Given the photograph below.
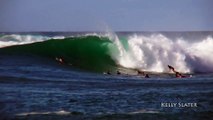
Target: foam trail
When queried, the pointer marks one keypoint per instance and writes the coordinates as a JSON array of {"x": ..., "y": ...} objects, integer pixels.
[{"x": 155, "y": 52}]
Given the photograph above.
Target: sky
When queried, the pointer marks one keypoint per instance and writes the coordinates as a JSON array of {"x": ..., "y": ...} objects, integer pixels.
[{"x": 102, "y": 15}]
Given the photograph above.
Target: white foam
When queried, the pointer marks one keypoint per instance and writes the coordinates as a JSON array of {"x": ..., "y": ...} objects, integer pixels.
[
  {"x": 146, "y": 52},
  {"x": 155, "y": 52},
  {"x": 14, "y": 39},
  {"x": 62, "y": 112}
]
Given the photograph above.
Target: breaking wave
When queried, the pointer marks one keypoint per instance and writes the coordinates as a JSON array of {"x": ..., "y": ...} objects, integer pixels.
[{"x": 152, "y": 52}]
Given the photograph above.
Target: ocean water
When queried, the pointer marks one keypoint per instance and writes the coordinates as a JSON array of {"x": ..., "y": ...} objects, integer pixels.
[{"x": 53, "y": 75}]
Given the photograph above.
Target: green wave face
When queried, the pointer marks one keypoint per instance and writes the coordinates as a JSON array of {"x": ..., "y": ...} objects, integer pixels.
[
  {"x": 124, "y": 43},
  {"x": 88, "y": 52}
]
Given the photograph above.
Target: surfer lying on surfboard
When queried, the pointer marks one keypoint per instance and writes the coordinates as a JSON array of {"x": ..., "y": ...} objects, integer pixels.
[
  {"x": 143, "y": 74},
  {"x": 146, "y": 76},
  {"x": 177, "y": 74},
  {"x": 60, "y": 60}
]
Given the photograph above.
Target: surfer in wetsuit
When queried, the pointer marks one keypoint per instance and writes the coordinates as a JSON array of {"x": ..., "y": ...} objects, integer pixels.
[
  {"x": 108, "y": 72},
  {"x": 177, "y": 74},
  {"x": 60, "y": 60},
  {"x": 146, "y": 76},
  {"x": 141, "y": 73},
  {"x": 171, "y": 68}
]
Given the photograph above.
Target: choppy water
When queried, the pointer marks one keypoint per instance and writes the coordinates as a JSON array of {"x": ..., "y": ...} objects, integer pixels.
[{"x": 34, "y": 86}]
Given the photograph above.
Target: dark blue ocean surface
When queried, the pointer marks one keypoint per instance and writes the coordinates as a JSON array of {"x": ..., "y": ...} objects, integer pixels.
[
  {"x": 39, "y": 87},
  {"x": 33, "y": 85}
]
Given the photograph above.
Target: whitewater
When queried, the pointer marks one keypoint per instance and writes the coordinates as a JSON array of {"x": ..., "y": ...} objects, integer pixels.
[
  {"x": 155, "y": 52},
  {"x": 143, "y": 51},
  {"x": 34, "y": 84}
]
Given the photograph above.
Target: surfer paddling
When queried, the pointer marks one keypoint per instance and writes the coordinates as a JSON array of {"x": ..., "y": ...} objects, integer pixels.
[
  {"x": 177, "y": 74},
  {"x": 60, "y": 60},
  {"x": 118, "y": 72},
  {"x": 140, "y": 72},
  {"x": 143, "y": 74},
  {"x": 146, "y": 76}
]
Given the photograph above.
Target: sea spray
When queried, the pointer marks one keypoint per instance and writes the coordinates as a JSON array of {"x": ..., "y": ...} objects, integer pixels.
[
  {"x": 187, "y": 52},
  {"x": 155, "y": 52}
]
